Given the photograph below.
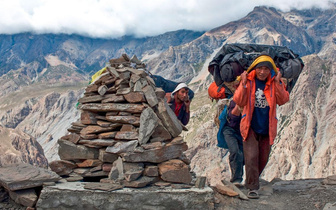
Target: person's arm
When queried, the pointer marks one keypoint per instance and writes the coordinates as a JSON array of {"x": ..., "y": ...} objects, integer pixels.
[
  {"x": 240, "y": 95},
  {"x": 186, "y": 115},
  {"x": 236, "y": 111},
  {"x": 168, "y": 97},
  {"x": 281, "y": 94}
]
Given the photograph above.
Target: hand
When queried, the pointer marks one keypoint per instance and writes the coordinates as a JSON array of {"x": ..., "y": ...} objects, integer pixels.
[
  {"x": 168, "y": 97},
  {"x": 243, "y": 77},
  {"x": 278, "y": 77},
  {"x": 187, "y": 104}
]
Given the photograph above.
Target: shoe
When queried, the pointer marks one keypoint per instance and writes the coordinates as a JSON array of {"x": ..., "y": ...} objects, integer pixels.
[
  {"x": 253, "y": 194},
  {"x": 237, "y": 184}
]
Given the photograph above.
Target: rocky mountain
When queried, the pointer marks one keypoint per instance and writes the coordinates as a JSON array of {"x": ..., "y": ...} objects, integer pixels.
[
  {"x": 19, "y": 147},
  {"x": 305, "y": 32},
  {"x": 39, "y": 95},
  {"x": 31, "y": 51}
]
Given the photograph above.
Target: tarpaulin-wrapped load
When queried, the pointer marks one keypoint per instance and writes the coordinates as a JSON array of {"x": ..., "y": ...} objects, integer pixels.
[{"x": 233, "y": 59}]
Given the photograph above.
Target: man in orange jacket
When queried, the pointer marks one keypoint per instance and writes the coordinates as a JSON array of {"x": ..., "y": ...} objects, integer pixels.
[{"x": 258, "y": 94}]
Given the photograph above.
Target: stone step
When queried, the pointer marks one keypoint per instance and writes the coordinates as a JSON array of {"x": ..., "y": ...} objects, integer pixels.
[{"x": 73, "y": 195}]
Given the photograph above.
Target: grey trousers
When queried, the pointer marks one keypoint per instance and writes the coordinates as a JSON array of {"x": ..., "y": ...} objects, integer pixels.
[{"x": 236, "y": 157}]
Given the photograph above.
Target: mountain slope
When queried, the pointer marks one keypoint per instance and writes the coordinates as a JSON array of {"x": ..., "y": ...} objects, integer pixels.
[
  {"x": 87, "y": 54},
  {"x": 19, "y": 147}
]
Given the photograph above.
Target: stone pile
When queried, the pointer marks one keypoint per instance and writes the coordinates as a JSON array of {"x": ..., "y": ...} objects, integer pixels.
[
  {"x": 23, "y": 183},
  {"x": 127, "y": 135}
]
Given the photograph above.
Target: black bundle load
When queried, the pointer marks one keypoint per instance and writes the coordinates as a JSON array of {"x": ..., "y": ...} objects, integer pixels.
[{"x": 233, "y": 59}]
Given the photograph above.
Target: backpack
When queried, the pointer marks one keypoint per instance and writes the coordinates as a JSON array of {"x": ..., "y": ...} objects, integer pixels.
[
  {"x": 222, "y": 106},
  {"x": 167, "y": 85},
  {"x": 233, "y": 59},
  {"x": 216, "y": 92}
]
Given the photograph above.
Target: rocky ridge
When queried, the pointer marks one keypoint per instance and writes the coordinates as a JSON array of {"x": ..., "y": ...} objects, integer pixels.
[{"x": 19, "y": 147}]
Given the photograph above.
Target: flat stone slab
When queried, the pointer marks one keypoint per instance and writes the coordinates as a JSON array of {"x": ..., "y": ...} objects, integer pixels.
[
  {"x": 24, "y": 176},
  {"x": 72, "y": 195}
]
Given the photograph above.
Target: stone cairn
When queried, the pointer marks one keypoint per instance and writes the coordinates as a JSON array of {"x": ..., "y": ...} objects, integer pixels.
[{"x": 127, "y": 135}]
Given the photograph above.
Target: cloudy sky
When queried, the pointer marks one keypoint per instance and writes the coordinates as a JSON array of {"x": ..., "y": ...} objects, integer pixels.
[{"x": 115, "y": 18}]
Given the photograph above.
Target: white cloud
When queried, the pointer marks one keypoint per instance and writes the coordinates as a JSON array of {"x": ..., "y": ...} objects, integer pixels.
[{"x": 105, "y": 18}]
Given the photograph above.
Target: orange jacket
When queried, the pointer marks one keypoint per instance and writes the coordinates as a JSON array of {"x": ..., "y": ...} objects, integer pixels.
[{"x": 275, "y": 93}]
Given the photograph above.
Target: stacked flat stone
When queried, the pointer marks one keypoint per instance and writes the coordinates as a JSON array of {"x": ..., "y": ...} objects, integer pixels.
[{"x": 127, "y": 133}]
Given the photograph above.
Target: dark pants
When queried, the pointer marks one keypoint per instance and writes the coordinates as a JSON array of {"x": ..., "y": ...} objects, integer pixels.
[
  {"x": 235, "y": 144},
  {"x": 256, "y": 152}
]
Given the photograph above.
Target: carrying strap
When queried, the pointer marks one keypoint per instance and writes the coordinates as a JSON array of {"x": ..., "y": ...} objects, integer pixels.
[{"x": 260, "y": 59}]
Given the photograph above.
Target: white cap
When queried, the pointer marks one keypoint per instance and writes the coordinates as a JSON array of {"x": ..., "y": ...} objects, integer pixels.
[{"x": 179, "y": 87}]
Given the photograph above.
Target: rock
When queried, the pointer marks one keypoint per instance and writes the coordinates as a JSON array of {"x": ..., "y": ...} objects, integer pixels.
[
  {"x": 160, "y": 133},
  {"x": 74, "y": 178},
  {"x": 88, "y": 118},
  {"x": 62, "y": 167},
  {"x": 117, "y": 170},
  {"x": 157, "y": 155},
  {"x": 91, "y": 88},
  {"x": 95, "y": 129},
  {"x": 330, "y": 180},
  {"x": 25, "y": 176},
  {"x": 89, "y": 163},
  {"x": 160, "y": 94},
  {"x": 124, "y": 119},
  {"x": 151, "y": 171},
  {"x": 102, "y": 186},
  {"x": 127, "y": 127},
  {"x": 132, "y": 108},
  {"x": 107, "y": 167},
  {"x": 141, "y": 182},
  {"x": 74, "y": 138},
  {"x": 132, "y": 175},
  {"x": 70, "y": 151},
  {"x": 162, "y": 184},
  {"x": 150, "y": 95},
  {"x": 99, "y": 142},
  {"x": 330, "y": 206},
  {"x": 107, "y": 135},
  {"x": 96, "y": 174},
  {"x": 135, "y": 97},
  {"x": 26, "y": 197},
  {"x": 102, "y": 90},
  {"x": 200, "y": 182},
  {"x": 175, "y": 171},
  {"x": 89, "y": 136},
  {"x": 127, "y": 135},
  {"x": 105, "y": 124},
  {"x": 148, "y": 122},
  {"x": 74, "y": 196},
  {"x": 168, "y": 118},
  {"x": 236, "y": 189},
  {"x": 90, "y": 99},
  {"x": 113, "y": 98},
  {"x": 222, "y": 189},
  {"x": 107, "y": 157},
  {"x": 154, "y": 145},
  {"x": 122, "y": 147},
  {"x": 3, "y": 195}
]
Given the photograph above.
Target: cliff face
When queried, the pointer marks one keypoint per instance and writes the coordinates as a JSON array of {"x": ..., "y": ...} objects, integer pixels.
[
  {"x": 305, "y": 146},
  {"x": 19, "y": 147}
]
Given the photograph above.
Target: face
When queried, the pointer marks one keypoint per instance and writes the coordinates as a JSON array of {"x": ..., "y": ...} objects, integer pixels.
[
  {"x": 262, "y": 72},
  {"x": 182, "y": 94}
]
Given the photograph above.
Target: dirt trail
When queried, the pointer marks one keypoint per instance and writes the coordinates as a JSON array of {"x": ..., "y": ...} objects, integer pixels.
[{"x": 298, "y": 194}]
